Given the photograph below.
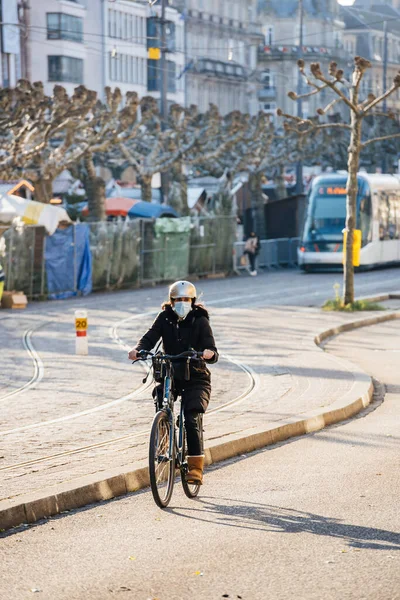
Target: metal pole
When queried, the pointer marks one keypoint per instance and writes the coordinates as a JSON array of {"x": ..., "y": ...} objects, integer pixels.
[
  {"x": 163, "y": 89},
  {"x": 9, "y": 265},
  {"x": 185, "y": 52},
  {"x": 33, "y": 237},
  {"x": 43, "y": 266},
  {"x": 299, "y": 165},
  {"x": 103, "y": 48},
  {"x": 75, "y": 265},
  {"x": 163, "y": 65},
  {"x": 384, "y": 105}
]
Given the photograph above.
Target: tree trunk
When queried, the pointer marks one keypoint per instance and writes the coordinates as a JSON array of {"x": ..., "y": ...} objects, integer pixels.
[
  {"x": 280, "y": 183},
  {"x": 145, "y": 184},
  {"x": 257, "y": 204},
  {"x": 351, "y": 206},
  {"x": 177, "y": 195},
  {"x": 43, "y": 190},
  {"x": 96, "y": 191}
]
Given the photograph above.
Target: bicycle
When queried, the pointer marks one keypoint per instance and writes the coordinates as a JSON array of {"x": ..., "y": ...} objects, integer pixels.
[{"x": 168, "y": 445}]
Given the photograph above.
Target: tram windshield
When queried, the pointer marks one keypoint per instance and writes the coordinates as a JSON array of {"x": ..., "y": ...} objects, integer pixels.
[
  {"x": 326, "y": 213},
  {"x": 326, "y": 216}
]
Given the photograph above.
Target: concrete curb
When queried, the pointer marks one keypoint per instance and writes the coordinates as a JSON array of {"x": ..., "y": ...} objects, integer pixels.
[{"x": 90, "y": 489}]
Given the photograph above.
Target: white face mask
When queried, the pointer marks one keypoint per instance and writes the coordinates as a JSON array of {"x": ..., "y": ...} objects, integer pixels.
[{"x": 182, "y": 309}]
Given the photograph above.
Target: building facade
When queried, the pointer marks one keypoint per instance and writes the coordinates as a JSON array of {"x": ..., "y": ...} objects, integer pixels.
[
  {"x": 373, "y": 32},
  {"x": 221, "y": 53},
  {"x": 10, "y": 49},
  {"x": 100, "y": 43},
  {"x": 323, "y": 42}
]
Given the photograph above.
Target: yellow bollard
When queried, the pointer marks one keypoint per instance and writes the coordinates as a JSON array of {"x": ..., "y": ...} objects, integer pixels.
[
  {"x": 81, "y": 326},
  {"x": 357, "y": 236}
]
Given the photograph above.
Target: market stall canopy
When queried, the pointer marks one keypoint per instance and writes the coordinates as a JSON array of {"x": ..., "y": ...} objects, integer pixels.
[
  {"x": 115, "y": 207},
  {"x": 31, "y": 213},
  {"x": 148, "y": 210}
]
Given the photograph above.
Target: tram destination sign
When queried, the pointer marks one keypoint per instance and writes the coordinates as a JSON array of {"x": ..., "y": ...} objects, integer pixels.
[{"x": 332, "y": 190}]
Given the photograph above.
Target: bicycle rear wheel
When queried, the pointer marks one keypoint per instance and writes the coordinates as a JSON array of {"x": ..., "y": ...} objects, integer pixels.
[
  {"x": 191, "y": 489},
  {"x": 161, "y": 461}
]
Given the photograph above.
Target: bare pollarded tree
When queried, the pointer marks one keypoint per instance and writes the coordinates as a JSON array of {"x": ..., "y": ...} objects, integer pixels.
[
  {"x": 346, "y": 91},
  {"x": 40, "y": 135},
  {"x": 188, "y": 137}
]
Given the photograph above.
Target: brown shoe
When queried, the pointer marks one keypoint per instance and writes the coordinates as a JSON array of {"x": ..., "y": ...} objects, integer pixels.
[{"x": 195, "y": 473}]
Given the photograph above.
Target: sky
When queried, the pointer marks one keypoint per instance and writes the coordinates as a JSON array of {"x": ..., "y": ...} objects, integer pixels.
[{"x": 346, "y": 2}]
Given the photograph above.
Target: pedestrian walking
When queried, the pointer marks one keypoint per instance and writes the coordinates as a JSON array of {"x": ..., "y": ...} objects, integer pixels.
[
  {"x": 252, "y": 249},
  {"x": 183, "y": 325}
]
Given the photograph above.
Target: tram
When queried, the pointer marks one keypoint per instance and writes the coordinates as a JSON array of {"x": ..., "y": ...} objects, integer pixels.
[{"x": 378, "y": 218}]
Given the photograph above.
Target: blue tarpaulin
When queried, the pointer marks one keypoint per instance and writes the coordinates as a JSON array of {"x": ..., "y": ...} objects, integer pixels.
[
  {"x": 150, "y": 210},
  {"x": 68, "y": 262}
]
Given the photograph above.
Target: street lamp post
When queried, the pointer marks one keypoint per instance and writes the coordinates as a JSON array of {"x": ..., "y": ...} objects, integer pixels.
[
  {"x": 384, "y": 104},
  {"x": 163, "y": 64},
  {"x": 299, "y": 165}
]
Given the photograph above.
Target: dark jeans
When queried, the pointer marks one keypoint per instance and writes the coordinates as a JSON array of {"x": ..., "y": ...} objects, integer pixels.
[
  {"x": 252, "y": 260},
  {"x": 193, "y": 425},
  {"x": 194, "y": 434}
]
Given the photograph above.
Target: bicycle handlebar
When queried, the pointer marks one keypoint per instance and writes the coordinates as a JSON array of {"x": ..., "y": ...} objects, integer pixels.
[{"x": 192, "y": 354}]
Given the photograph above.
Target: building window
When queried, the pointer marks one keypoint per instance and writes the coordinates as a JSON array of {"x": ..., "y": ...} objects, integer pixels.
[
  {"x": 65, "y": 68},
  {"x": 154, "y": 76},
  {"x": 267, "y": 79},
  {"x": 153, "y": 84},
  {"x": 154, "y": 34},
  {"x": 64, "y": 27}
]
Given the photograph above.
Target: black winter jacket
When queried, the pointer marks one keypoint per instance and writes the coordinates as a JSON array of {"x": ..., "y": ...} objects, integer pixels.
[{"x": 177, "y": 336}]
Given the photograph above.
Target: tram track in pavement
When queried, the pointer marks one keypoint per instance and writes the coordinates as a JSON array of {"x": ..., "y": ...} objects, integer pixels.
[
  {"x": 113, "y": 332},
  {"x": 252, "y": 388},
  {"x": 38, "y": 366}
]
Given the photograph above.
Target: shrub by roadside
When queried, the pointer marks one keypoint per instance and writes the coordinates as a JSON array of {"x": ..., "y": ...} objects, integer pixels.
[{"x": 357, "y": 305}]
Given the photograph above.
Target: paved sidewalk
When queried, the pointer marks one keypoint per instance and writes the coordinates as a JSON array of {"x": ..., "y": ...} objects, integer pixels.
[
  {"x": 92, "y": 399},
  {"x": 292, "y": 377}
]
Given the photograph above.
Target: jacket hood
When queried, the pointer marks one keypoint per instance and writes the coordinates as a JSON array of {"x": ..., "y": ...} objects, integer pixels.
[{"x": 196, "y": 312}]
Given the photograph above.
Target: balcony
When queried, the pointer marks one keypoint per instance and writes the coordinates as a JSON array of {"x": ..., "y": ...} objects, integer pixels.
[
  {"x": 267, "y": 94},
  {"x": 219, "y": 69},
  {"x": 315, "y": 53}
]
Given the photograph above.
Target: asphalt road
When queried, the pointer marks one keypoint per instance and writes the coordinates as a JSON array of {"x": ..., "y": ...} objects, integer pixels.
[{"x": 316, "y": 517}]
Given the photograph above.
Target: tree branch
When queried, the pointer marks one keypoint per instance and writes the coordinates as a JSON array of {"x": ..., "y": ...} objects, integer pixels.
[{"x": 380, "y": 139}]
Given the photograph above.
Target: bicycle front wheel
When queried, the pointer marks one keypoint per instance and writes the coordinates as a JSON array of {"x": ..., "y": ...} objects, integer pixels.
[{"x": 161, "y": 460}]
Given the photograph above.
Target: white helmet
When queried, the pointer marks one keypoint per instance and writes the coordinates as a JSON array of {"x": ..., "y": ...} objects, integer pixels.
[{"x": 182, "y": 289}]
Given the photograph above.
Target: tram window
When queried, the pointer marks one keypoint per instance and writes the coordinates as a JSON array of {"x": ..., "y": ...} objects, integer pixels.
[
  {"x": 365, "y": 219},
  {"x": 394, "y": 224},
  {"x": 383, "y": 208}
]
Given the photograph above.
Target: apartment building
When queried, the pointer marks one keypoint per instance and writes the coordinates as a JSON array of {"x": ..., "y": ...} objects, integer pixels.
[
  {"x": 370, "y": 26},
  {"x": 221, "y": 53},
  {"x": 10, "y": 48},
  {"x": 100, "y": 43},
  {"x": 323, "y": 42}
]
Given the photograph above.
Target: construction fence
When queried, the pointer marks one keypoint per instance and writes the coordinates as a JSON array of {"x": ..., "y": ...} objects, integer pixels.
[
  {"x": 274, "y": 254},
  {"x": 129, "y": 253}
]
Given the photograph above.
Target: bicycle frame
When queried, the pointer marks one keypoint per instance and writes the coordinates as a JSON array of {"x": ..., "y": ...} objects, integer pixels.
[
  {"x": 168, "y": 407},
  {"x": 173, "y": 449}
]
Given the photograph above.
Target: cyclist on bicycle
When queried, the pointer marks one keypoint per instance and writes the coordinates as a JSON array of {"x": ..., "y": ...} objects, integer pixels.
[{"x": 184, "y": 325}]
